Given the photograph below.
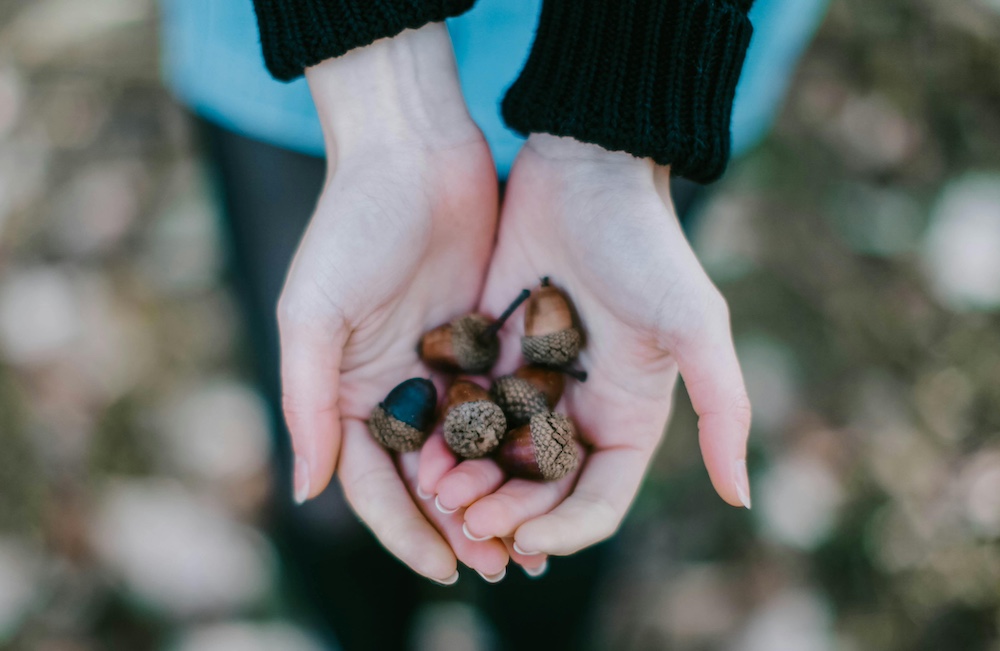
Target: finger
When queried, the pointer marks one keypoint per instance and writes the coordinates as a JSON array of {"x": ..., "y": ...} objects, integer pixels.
[
  {"x": 513, "y": 504},
  {"x": 594, "y": 510},
  {"x": 467, "y": 482},
  {"x": 714, "y": 381},
  {"x": 310, "y": 384},
  {"x": 376, "y": 492},
  {"x": 436, "y": 459},
  {"x": 534, "y": 566},
  {"x": 487, "y": 557}
]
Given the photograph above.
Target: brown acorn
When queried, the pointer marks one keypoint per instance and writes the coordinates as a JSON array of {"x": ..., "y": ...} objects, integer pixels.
[
  {"x": 550, "y": 339},
  {"x": 543, "y": 449},
  {"x": 473, "y": 424},
  {"x": 530, "y": 390},
  {"x": 468, "y": 344},
  {"x": 403, "y": 420}
]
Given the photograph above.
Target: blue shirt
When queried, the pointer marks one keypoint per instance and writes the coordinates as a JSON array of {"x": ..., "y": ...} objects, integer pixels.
[{"x": 213, "y": 63}]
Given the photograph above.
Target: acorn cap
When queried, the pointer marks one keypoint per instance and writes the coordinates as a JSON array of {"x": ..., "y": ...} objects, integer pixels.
[
  {"x": 519, "y": 399},
  {"x": 554, "y": 349},
  {"x": 394, "y": 434},
  {"x": 475, "y": 350},
  {"x": 543, "y": 449},
  {"x": 402, "y": 420},
  {"x": 474, "y": 429}
]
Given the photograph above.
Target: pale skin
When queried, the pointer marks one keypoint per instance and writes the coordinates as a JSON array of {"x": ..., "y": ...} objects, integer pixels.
[{"x": 405, "y": 238}]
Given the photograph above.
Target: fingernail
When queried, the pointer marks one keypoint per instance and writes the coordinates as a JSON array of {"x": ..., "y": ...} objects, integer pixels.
[
  {"x": 301, "y": 480},
  {"x": 524, "y": 553},
  {"x": 437, "y": 503},
  {"x": 538, "y": 571},
  {"x": 421, "y": 494},
  {"x": 493, "y": 578},
  {"x": 468, "y": 534},
  {"x": 451, "y": 580},
  {"x": 742, "y": 483}
]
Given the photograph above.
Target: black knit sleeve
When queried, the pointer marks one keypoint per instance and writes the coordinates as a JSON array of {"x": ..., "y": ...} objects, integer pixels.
[
  {"x": 296, "y": 34},
  {"x": 654, "y": 78}
]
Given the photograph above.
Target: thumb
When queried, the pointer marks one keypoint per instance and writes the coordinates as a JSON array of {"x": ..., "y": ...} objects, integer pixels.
[
  {"x": 310, "y": 385},
  {"x": 711, "y": 371}
]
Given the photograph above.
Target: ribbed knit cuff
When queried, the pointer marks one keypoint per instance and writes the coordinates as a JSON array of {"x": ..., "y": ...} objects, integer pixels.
[
  {"x": 296, "y": 34},
  {"x": 654, "y": 78}
]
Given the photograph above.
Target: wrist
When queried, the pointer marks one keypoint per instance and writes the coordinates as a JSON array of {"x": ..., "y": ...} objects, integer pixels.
[
  {"x": 562, "y": 149},
  {"x": 402, "y": 90}
]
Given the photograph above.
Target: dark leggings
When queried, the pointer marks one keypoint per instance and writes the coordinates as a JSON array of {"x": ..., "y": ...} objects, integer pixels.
[{"x": 336, "y": 575}]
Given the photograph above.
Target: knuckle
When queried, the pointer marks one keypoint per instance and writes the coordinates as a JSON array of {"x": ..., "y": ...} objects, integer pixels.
[{"x": 743, "y": 410}]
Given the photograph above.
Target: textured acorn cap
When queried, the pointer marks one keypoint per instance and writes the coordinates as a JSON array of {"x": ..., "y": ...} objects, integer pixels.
[
  {"x": 393, "y": 433},
  {"x": 474, "y": 353},
  {"x": 555, "y": 349},
  {"x": 474, "y": 429},
  {"x": 553, "y": 436},
  {"x": 519, "y": 399}
]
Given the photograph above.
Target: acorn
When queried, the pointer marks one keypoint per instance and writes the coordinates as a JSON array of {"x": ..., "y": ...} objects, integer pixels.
[
  {"x": 528, "y": 391},
  {"x": 531, "y": 390},
  {"x": 549, "y": 335},
  {"x": 468, "y": 344},
  {"x": 473, "y": 424},
  {"x": 543, "y": 449},
  {"x": 404, "y": 419}
]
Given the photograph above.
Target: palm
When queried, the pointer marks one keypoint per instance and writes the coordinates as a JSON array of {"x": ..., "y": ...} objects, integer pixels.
[
  {"x": 611, "y": 241},
  {"x": 393, "y": 249}
]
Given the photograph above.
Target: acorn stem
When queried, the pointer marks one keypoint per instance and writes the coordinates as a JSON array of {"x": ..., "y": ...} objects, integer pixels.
[
  {"x": 545, "y": 281},
  {"x": 494, "y": 327}
]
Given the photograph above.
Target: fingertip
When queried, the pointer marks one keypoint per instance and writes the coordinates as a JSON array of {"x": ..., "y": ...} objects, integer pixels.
[
  {"x": 302, "y": 490},
  {"x": 494, "y": 561},
  {"x": 534, "y": 565},
  {"x": 438, "y": 566},
  {"x": 451, "y": 580},
  {"x": 727, "y": 468},
  {"x": 471, "y": 536},
  {"x": 536, "y": 571},
  {"x": 523, "y": 552},
  {"x": 443, "y": 509},
  {"x": 531, "y": 539},
  {"x": 487, "y": 516},
  {"x": 741, "y": 480},
  {"x": 318, "y": 467},
  {"x": 488, "y": 558}
]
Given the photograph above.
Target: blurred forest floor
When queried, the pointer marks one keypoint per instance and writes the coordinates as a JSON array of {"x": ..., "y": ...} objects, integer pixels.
[{"x": 859, "y": 247}]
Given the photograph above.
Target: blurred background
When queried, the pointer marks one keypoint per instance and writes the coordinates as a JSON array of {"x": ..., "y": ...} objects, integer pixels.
[{"x": 859, "y": 247}]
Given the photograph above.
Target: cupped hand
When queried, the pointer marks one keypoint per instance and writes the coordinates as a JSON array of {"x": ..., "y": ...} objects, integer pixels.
[
  {"x": 399, "y": 243},
  {"x": 601, "y": 225}
]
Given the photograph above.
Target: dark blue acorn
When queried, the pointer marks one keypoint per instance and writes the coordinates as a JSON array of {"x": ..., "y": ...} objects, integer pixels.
[{"x": 404, "y": 419}]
